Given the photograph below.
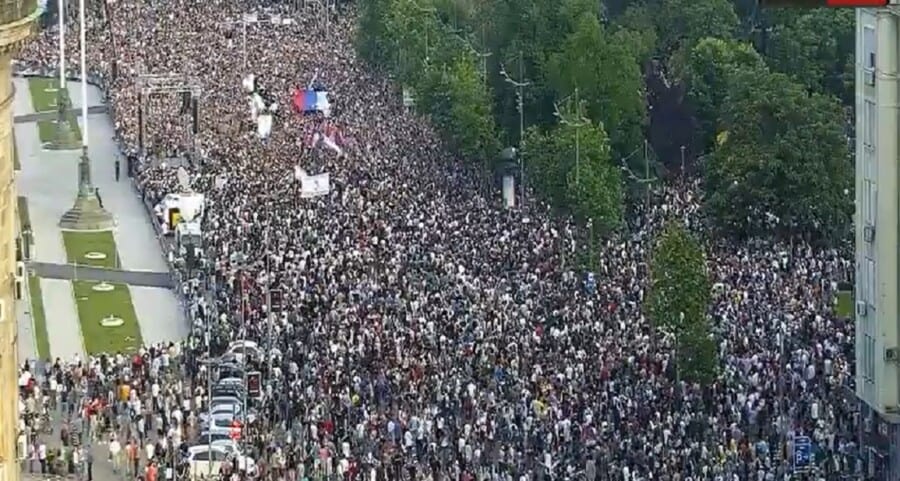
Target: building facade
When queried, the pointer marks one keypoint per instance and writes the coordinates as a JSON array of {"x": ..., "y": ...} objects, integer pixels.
[
  {"x": 18, "y": 18},
  {"x": 877, "y": 221}
]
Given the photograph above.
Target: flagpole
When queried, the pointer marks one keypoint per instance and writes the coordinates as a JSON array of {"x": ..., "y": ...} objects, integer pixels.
[
  {"x": 84, "y": 97},
  {"x": 64, "y": 138},
  {"x": 62, "y": 44}
]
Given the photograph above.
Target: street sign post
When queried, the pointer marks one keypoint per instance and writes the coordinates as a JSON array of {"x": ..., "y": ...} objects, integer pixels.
[{"x": 802, "y": 454}]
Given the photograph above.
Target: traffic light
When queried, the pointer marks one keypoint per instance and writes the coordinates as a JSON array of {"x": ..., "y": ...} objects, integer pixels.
[{"x": 254, "y": 384}]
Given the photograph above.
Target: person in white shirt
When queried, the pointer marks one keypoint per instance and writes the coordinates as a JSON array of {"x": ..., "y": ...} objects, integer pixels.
[
  {"x": 42, "y": 457},
  {"x": 151, "y": 450},
  {"x": 115, "y": 453}
]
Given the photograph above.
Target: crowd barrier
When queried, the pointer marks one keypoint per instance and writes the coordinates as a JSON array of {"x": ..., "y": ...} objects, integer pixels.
[{"x": 99, "y": 80}]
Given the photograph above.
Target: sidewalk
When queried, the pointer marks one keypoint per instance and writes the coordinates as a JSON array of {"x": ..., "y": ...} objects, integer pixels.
[
  {"x": 159, "y": 314},
  {"x": 27, "y": 343},
  {"x": 49, "y": 181},
  {"x": 135, "y": 238},
  {"x": 62, "y": 319}
]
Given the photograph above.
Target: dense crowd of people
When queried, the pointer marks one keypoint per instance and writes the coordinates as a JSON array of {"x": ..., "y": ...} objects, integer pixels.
[{"x": 427, "y": 333}]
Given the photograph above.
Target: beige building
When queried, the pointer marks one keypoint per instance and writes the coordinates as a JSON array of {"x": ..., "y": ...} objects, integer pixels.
[
  {"x": 877, "y": 238},
  {"x": 18, "y": 18}
]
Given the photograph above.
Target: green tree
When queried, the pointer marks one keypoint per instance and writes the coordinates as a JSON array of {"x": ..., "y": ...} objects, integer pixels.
[
  {"x": 609, "y": 77},
  {"x": 784, "y": 164},
  {"x": 706, "y": 76},
  {"x": 817, "y": 49},
  {"x": 409, "y": 40},
  {"x": 459, "y": 103},
  {"x": 678, "y": 300},
  {"x": 687, "y": 21},
  {"x": 570, "y": 166}
]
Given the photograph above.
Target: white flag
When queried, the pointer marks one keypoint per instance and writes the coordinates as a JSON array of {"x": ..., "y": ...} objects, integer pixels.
[
  {"x": 264, "y": 125},
  {"x": 331, "y": 144},
  {"x": 315, "y": 185}
]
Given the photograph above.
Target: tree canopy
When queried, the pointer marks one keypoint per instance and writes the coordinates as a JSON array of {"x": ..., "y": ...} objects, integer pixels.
[
  {"x": 678, "y": 300},
  {"x": 755, "y": 93},
  {"x": 783, "y": 161}
]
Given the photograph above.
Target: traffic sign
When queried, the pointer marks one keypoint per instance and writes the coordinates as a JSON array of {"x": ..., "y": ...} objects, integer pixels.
[{"x": 802, "y": 453}]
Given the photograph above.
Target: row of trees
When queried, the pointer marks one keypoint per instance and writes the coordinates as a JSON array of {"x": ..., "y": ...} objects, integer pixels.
[
  {"x": 750, "y": 99},
  {"x": 760, "y": 92},
  {"x": 505, "y": 73}
]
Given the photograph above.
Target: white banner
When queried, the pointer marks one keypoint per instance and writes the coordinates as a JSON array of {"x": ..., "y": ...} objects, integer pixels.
[
  {"x": 315, "y": 185},
  {"x": 264, "y": 125}
]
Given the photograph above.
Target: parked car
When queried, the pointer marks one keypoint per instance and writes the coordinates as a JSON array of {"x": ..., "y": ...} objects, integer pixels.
[
  {"x": 207, "y": 437},
  {"x": 205, "y": 461},
  {"x": 243, "y": 348}
]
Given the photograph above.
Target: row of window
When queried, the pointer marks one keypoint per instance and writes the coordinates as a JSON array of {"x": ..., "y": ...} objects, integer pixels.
[
  {"x": 868, "y": 359},
  {"x": 868, "y": 47},
  {"x": 867, "y": 282}
]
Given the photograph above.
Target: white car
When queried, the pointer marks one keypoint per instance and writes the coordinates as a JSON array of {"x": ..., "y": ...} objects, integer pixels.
[
  {"x": 221, "y": 424},
  {"x": 219, "y": 452},
  {"x": 234, "y": 410},
  {"x": 242, "y": 348},
  {"x": 205, "y": 462}
]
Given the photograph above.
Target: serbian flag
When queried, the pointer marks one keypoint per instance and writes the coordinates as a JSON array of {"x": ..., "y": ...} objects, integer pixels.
[{"x": 311, "y": 101}]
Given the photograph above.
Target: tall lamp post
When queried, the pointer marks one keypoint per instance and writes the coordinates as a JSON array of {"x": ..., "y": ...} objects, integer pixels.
[
  {"x": 87, "y": 213},
  {"x": 520, "y": 85},
  {"x": 64, "y": 138},
  {"x": 577, "y": 122}
]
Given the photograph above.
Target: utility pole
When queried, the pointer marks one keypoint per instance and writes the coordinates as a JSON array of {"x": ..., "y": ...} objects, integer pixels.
[
  {"x": 269, "y": 314},
  {"x": 579, "y": 122},
  {"x": 646, "y": 179},
  {"x": 520, "y": 86},
  {"x": 682, "y": 160},
  {"x": 430, "y": 10},
  {"x": 647, "y": 171}
]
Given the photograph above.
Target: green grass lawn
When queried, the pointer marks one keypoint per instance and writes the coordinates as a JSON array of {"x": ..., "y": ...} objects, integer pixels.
[
  {"x": 844, "y": 306},
  {"x": 39, "y": 317},
  {"x": 43, "y": 98},
  {"x": 43, "y": 93},
  {"x": 47, "y": 130},
  {"x": 78, "y": 244},
  {"x": 95, "y": 306}
]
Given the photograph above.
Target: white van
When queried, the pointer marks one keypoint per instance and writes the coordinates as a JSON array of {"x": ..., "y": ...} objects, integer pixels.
[{"x": 205, "y": 461}]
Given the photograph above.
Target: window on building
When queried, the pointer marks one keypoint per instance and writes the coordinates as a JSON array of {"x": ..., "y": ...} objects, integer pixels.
[
  {"x": 862, "y": 293},
  {"x": 869, "y": 358},
  {"x": 870, "y": 280},
  {"x": 870, "y": 125},
  {"x": 869, "y": 50},
  {"x": 870, "y": 201}
]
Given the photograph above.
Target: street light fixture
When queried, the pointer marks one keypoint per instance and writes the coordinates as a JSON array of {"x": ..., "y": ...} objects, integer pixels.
[
  {"x": 520, "y": 85},
  {"x": 578, "y": 122}
]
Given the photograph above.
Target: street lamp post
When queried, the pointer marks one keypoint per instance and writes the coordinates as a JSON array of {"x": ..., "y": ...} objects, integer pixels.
[
  {"x": 64, "y": 136},
  {"x": 87, "y": 213},
  {"x": 520, "y": 85},
  {"x": 431, "y": 10},
  {"x": 578, "y": 122}
]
